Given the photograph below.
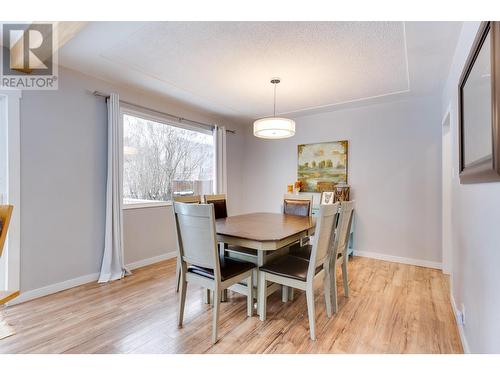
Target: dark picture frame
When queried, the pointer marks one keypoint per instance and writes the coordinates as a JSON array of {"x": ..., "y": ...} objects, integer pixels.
[{"x": 484, "y": 169}]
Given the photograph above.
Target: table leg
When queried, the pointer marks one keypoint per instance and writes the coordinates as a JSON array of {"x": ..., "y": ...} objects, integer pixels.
[{"x": 260, "y": 263}]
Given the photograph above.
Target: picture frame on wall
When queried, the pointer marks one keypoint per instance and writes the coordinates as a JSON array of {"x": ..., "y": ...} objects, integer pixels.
[
  {"x": 479, "y": 108},
  {"x": 322, "y": 166}
]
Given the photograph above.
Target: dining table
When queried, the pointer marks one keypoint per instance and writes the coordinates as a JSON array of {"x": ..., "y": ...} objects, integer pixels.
[{"x": 266, "y": 233}]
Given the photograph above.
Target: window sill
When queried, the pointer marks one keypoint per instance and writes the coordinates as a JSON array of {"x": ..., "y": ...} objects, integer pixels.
[{"x": 132, "y": 206}]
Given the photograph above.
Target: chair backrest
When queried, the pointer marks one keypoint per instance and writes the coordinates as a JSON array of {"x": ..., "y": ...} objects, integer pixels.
[
  {"x": 5, "y": 215},
  {"x": 196, "y": 236},
  {"x": 188, "y": 199},
  {"x": 298, "y": 205},
  {"x": 325, "y": 229},
  {"x": 219, "y": 202},
  {"x": 327, "y": 197},
  {"x": 341, "y": 242}
]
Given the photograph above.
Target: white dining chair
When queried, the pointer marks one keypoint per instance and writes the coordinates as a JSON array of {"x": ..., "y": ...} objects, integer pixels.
[
  {"x": 193, "y": 199},
  {"x": 201, "y": 264},
  {"x": 339, "y": 249},
  {"x": 299, "y": 273}
]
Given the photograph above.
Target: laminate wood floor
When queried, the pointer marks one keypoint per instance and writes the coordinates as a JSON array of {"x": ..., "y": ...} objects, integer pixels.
[{"x": 392, "y": 308}]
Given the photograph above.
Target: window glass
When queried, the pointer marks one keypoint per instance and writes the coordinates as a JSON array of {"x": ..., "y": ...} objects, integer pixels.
[{"x": 162, "y": 161}]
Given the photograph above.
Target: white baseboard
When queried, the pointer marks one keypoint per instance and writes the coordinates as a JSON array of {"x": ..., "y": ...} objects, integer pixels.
[
  {"x": 461, "y": 331},
  {"x": 63, "y": 285},
  {"x": 53, "y": 288},
  {"x": 147, "y": 262},
  {"x": 396, "y": 259}
]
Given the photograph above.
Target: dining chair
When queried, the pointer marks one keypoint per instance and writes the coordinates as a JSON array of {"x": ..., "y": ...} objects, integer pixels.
[
  {"x": 220, "y": 204},
  {"x": 5, "y": 215},
  {"x": 304, "y": 251},
  {"x": 188, "y": 199},
  {"x": 299, "y": 273},
  {"x": 299, "y": 205},
  {"x": 201, "y": 264},
  {"x": 220, "y": 208},
  {"x": 339, "y": 251},
  {"x": 193, "y": 199}
]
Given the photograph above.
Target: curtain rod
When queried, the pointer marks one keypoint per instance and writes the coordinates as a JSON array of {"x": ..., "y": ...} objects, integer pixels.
[{"x": 180, "y": 119}]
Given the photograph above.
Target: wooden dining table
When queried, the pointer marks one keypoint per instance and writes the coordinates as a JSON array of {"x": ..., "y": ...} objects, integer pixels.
[{"x": 264, "y": 232}]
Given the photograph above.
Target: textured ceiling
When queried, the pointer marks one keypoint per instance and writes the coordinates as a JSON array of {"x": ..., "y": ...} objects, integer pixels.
[{"x": 225, "y": 67}]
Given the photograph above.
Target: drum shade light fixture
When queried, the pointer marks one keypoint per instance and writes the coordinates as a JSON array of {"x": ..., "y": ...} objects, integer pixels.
[{"x": 274, "y": 127}]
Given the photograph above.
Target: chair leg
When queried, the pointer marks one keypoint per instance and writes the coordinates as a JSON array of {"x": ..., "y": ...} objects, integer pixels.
[
  {"x": 262, "y": 300},
  {"x": 328, "y": 292},
  {"x": 284, "y": 293},
  {"x": 177, "y": 275},
  {"x": 182, "y": 299},
  {"x": 250, "y": 295},
  {"x": 346, "y": 279},
  {"x": 334, "y": 288},
  {"x": 310, "y": 310},
  {"x": 290, "y": 293},
  {"x": 215, "y": 314}
]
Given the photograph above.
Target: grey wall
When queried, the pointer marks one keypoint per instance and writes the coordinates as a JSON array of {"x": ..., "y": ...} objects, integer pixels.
[
  {"x": 148, "y": 233},
  {"x": 394, "y": 173},
  {"x": 63, "y": 171},
  {"x": 476, "y": 238}
]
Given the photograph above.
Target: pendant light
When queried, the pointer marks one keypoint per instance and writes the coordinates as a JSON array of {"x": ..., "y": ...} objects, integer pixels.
[{"x": 274, "y": 127}]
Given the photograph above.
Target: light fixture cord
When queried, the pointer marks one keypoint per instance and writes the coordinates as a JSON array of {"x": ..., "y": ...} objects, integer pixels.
[{"x": 274, "y": 109}]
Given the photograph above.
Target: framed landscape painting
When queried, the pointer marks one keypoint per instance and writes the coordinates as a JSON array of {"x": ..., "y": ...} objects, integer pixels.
[{"x": 321, "y": 166}]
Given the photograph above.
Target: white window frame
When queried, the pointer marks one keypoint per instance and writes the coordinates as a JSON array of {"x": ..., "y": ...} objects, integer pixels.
[
  {"x": 10, "y": 103},
  {"x": 146, "y": 115}
]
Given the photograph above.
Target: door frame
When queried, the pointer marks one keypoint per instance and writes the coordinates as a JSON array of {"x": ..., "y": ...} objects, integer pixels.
[
  {"x": 10, "y": 102},
  {"x": 446, "y": 192}
]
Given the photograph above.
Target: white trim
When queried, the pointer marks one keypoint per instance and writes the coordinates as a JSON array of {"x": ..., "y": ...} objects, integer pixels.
[
  {"x": 13, "y": 252},
  {"x": 68, "y": 284},
  {"x": 333, "y": 105},
  {"x": 131, "y": 206},
  {"x": 152, "y": 260},
  {"x": 54, "y": 288},
  {"x": 447, "y": 115},
  {"x": 446, "y": 192},
  {"x": 396, "y": 259},
  {"x": 461, "y": 332},
  {"x": 132, "y": 110}
]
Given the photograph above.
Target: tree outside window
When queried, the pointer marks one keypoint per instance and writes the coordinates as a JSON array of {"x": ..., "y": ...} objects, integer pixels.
[{"x": 161, "y": 161}]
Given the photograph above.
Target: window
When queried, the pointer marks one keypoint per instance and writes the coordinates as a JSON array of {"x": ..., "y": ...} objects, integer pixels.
[{"x": 162, "y": 160}]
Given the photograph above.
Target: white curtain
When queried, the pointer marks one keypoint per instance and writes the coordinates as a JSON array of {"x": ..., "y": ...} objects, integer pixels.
[
  {"x": 219, "y": 133},
  {"x": 113, "y": 266}
]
